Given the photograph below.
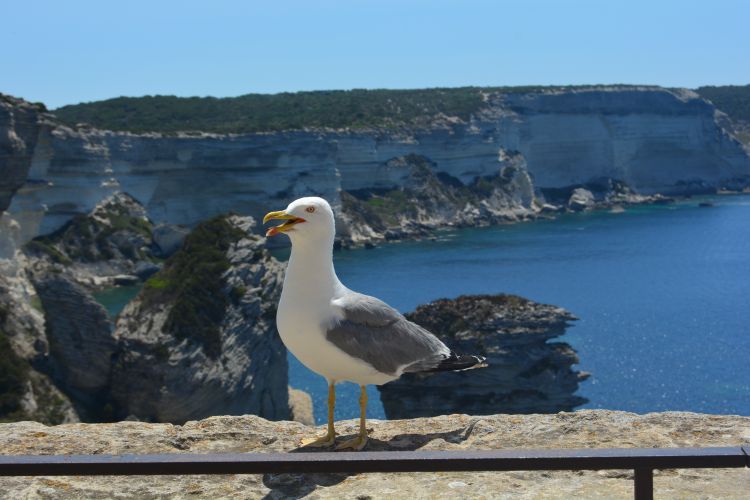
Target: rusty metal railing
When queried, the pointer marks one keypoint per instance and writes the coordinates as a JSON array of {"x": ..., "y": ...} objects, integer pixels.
[{"x": 642, "y": 460}]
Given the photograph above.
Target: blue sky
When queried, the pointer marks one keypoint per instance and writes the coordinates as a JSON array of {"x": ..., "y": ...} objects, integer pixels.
[{"x": 67, "y": 52}]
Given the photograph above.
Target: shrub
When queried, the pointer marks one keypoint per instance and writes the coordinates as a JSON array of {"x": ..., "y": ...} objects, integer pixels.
[{"x": 191, "y": 280}]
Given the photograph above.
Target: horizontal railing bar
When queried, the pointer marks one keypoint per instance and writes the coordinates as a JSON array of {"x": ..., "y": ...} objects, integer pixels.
[{"x": 374, "y": 461}]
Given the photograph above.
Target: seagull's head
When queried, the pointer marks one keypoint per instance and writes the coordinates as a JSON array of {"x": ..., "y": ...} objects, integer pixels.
[{"x": 308, "y": 218}]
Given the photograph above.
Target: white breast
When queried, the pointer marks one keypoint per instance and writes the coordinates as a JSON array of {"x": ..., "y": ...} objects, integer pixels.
[{"x": 302, "y": 329}]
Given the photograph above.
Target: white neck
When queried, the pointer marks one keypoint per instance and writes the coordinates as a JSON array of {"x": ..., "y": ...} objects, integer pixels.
[{"x": 311, "y": 268}]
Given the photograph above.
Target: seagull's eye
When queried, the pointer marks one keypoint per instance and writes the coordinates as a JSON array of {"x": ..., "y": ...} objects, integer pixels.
[{"x": 310, "y": 210}]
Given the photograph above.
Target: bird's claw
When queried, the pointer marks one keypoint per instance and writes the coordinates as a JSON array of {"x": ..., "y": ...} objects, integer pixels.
[
  {"x": 321, "y": 442},
  {"x": 357, "y": 444}
]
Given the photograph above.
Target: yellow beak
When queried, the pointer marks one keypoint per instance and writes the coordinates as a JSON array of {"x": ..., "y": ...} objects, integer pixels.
[{"x": 291, "y": 220}]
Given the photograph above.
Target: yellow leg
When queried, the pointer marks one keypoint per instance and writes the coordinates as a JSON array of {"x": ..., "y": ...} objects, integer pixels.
[
  {"x": 330, "y": 436},
  {"x": 359, "y": 442}
]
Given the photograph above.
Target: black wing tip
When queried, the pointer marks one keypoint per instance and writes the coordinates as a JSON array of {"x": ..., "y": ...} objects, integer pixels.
[{"x": 460, "y": 362}]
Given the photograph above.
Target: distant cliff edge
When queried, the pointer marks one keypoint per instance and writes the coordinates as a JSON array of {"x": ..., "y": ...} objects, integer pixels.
[{"x": 644, "y": 139}]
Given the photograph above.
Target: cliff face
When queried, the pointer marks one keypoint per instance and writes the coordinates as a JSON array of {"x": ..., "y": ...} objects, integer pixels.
[
  {"x": 115, "y": 238},
  {"x": 582, "y": 429},
  {"x": 423, "y": 200},
  {"x": 19, "y": 130},
  {"x": 26, "y": 393},
  {"x": 81, "y": 344},
  {"x": 652, "y": 139},
  {"x": 200, "y": 339},
  {"x": 524, "y": 373}
]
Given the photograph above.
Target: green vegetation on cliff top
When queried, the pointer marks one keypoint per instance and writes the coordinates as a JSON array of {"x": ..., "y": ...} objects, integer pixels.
[
  {"x": 336, "y": 109},
  {"x": 192, "y": 280},
  {"x": 734, "y": 100}
]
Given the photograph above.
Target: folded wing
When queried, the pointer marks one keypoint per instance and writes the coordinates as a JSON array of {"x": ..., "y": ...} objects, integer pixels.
[{"x": 371, "y": 330}]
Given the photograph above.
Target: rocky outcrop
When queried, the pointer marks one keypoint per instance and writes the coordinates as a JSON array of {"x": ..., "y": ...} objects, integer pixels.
[
  {"x": 200, "y": 339},
  {"x": 596, "y": 194},
  {"x": 19, "y": 130},
  {"x": 653, "y": 140},
  {"x": 422, "y": 200},
  {"x": 581, "y": 199},
  {"x": 582, "y": 429},
  {"x": 168, "y": 238},
  {"x": 114, "y": 239},
  {"x": 26, "y": 392},
  {"x": 68, "y": 343},
  {"x": 524, "y": 373},
  {"x": 81, "y": 345},
  {"x": 301, "y": 407}
]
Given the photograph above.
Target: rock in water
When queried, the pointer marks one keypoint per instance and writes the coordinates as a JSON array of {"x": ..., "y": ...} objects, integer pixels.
[
  {"x": 250, "y": 434},
  {"x": 581, "y": 199},
  {"x": 200, "y": 339},
  {"x": 525, "y": 374}
]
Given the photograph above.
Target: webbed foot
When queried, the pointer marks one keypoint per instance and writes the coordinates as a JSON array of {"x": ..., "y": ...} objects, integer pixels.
[
  {"x": 321, "y": 442},
  {"x": 357, "y": 444}
]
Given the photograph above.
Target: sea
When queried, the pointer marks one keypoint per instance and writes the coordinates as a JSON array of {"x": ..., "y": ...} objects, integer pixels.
[{"x": 662, "y": 293}]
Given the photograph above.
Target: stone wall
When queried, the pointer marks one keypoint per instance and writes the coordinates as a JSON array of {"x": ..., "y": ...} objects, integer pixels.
[{"x": 582, "y": 429}]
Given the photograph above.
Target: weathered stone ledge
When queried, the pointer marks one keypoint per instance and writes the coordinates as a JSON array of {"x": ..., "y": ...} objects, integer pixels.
[{"x": 582, "y": 429}]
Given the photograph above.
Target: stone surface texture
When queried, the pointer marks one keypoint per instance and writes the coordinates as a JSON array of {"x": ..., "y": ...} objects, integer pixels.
[
  {"x": 525, "y": 373},
  {"x": 113, "y": 240},
  {"x": 23, "y": 335},
  {"x": 301, "y": 406},
  {"x": 19, "y": 130},
  {"x": 582, "y": 429},
  {"x": 81, "y": 344}
]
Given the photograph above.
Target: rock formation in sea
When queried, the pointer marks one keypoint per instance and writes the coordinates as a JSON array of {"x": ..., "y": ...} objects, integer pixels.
[
  {"x": 650, "y": 139},
  {"x": 251, "y": 434},
  {"x": 112, "y": 242},
  {"x": 422, "y": 200},
  {"x": 525, "y": 373},
  {"x": 65, "y": 336},
  {"x": 200, "y": 338}
]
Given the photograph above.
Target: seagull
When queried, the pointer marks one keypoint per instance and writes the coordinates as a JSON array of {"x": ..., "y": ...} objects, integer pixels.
[{"x": 338, "y": 333}]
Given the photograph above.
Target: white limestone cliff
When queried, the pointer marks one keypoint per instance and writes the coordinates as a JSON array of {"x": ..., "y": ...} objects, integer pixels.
[{"x": 653, "y": 139}]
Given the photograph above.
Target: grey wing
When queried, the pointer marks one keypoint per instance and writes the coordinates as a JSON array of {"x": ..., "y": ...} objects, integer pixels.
[{"x": 376, "y": 333}]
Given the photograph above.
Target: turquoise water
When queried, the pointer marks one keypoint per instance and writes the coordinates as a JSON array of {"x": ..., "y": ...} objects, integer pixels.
[
  {"x": 662, "y": 293},
  {"x": 114, "y": 299}
]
